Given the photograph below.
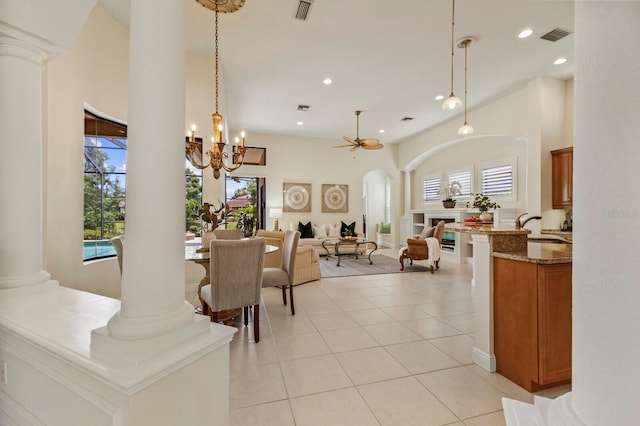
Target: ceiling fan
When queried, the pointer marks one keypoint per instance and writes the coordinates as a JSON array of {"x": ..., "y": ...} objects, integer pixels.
[{"x": 360, "y": 143}]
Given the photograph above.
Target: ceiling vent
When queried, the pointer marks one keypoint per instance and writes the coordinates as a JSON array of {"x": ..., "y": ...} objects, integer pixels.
[
  {"x": 303, "y": 9},
  {"x": 303, "y": 107},
  {"x": 407, "y": 119},
  {"x": 555, "y": 34}
]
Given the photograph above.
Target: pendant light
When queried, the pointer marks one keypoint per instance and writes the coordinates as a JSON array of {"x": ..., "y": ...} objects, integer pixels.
[
  {"x": 452, "y": 102},
  {"x": 466, "y": 128}
]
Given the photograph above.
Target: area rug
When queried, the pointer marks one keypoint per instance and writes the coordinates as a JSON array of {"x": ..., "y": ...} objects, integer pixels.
[{"x": 350, "y": 266}]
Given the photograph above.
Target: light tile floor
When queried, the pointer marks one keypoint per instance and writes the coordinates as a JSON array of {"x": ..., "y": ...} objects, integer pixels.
[{"x": 390, "y": 349}]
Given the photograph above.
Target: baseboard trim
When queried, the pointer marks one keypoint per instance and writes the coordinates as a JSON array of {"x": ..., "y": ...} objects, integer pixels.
[{"x": 484, "y": 360}]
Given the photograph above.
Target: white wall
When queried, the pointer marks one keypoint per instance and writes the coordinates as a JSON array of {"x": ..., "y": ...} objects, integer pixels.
[
  {"x": 314, "y": 161},
  {"x": 539, "y": 115}
]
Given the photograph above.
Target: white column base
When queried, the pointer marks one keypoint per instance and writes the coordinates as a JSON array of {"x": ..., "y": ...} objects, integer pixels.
[
  {"x": 484, "y": 360},
  {"x": 543, "y": 412}
]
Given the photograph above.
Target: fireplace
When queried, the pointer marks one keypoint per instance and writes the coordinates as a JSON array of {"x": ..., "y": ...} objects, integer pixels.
[{"x": 448, "y": 237}]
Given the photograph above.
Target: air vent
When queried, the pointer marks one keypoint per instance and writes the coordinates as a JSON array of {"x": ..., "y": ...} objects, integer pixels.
[
  {"x": 303, "y": 9},
  {"x": 303, "y": 107},
  {"x": 407, "y": 119},
  {"x": 555, "y": 35}
]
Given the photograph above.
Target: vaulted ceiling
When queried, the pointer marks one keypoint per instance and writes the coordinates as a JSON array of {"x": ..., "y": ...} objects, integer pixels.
[{"x": 387, "y": 58}]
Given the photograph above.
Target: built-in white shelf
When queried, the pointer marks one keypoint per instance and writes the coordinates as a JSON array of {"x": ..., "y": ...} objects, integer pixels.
[{"x": 457, "y": 245}]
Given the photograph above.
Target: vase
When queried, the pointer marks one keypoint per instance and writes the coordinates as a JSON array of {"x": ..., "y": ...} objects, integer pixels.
[
  {"x": 486, "y": 217},
  {"x": 449, "y": 204}
]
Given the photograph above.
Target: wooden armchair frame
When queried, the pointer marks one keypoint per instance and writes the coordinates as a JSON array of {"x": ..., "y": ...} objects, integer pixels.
[{"x": 417, "y": 249}]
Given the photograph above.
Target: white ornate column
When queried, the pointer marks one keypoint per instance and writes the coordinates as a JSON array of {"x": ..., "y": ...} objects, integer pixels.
[
  {"x": 153, "y": 262},
  {"x": 21, "y": 66},
  {"x": 407, "y": 191}
]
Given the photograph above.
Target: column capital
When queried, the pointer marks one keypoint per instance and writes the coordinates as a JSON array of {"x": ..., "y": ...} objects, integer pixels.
[{"x": 10, "y": 46}]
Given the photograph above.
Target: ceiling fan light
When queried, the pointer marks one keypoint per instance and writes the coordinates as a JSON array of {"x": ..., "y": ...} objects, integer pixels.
[
  {"x": 451, "y": 103},
  {"x": 465, "y": 129}
]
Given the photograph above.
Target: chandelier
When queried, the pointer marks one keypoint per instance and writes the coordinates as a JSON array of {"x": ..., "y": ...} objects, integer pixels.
[{"x": 218, "y": 156}]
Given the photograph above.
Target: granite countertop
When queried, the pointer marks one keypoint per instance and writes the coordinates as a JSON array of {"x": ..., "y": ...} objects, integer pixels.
[
  {"x": 543, "y": 253},
  {"x": 486, "y": 228}
]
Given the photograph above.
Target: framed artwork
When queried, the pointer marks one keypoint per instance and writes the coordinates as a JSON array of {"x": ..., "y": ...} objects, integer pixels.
[
  {"x": 335, "y": 198},
  {"x": 296, "y": 197}
]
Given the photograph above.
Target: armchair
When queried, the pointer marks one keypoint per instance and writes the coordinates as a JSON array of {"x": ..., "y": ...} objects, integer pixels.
[{"x": 424, "y": 249}]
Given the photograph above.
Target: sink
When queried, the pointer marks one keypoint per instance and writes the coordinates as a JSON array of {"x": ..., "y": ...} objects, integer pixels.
[{"x": 557, "y": 240}]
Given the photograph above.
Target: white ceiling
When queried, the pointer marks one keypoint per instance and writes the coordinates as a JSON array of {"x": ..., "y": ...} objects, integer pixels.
[{"x": 387, "y": 58}]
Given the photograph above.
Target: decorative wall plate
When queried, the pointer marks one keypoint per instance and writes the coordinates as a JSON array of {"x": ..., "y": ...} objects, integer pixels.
[
  {"x": 296, "y": 197},
  {"x": 335, "y": 198}
]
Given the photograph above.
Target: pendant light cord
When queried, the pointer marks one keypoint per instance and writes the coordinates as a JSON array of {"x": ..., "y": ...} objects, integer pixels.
[
  {"x": 466, "y": 43},
  {"x": 453, "y": 14}
]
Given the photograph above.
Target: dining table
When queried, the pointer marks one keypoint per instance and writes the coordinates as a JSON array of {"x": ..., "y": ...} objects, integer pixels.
[{"x": 200, "y": 255}]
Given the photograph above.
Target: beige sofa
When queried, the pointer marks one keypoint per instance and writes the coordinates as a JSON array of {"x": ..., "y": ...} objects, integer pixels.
[
  {"x": 307, "y": 260},
  {"x": 327, "y": 234}
]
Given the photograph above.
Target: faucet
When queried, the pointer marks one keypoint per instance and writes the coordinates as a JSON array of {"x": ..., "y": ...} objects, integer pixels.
[{"x": 520, "y": 224}]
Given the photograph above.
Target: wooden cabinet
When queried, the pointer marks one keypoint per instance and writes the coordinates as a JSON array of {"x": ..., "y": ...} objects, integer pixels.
[
  {"x": 532, "y": 322},
  {"x": 562, "y": 177}
]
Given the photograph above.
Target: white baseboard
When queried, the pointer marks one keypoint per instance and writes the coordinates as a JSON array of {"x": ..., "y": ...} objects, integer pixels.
[{"x": 484, "y": 360}]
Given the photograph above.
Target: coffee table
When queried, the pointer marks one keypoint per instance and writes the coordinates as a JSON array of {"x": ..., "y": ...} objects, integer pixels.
[{"x": 349, "y": 247}]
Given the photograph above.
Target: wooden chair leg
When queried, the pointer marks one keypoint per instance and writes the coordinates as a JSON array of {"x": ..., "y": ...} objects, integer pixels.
[
  {"x": 293, "y": 312},
  {"x": 401, "y": 262},
  {"x": 256, "y": 323},
  {"x": 246, "y": 315},
  {"x": 284, "y": 295}
]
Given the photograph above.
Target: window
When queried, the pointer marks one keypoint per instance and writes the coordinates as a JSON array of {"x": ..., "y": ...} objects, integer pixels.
[
  {"x": 431, "y": 189},
  {"x": 105, "y": 156},
  {"x": 498, "y": 178},
  {"x": 460, "y": 184}
]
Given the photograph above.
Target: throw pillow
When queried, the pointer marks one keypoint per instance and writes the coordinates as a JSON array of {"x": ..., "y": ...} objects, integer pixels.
[
  {"x": 306, "y": 230},
  {"x": 320, "y": 231},
  {"x": 334, "y": 231},
  {"x": 344, "y": 227},
  {"x": 427, "y": 232}
]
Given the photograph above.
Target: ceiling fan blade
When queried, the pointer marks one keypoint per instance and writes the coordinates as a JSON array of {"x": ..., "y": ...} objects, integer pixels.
[
  {"x": 342, "y": 146},
  {"x": 351, "y": 141},
  {"x": 376, "y": 146},
  {"x": 355, "y": 148},
  {"x": 370, "y": 141}
]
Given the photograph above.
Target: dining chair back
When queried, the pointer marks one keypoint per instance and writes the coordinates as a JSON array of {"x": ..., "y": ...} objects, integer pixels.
[
  {"x": 236, "y": 269},
  {"x": 118, "y": 244},
  {"x": 283, "y": 277},
  {"x": 228, "y": 234}
]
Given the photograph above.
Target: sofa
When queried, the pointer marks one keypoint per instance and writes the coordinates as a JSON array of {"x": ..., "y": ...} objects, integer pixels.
[
  {"x": 322, "y": 232},
  {"x": 307, "y": 260}
]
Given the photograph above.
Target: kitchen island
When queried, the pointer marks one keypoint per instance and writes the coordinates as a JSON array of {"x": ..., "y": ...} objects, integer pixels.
[
  {"x": 487, "y": 239},
  {"x": 532, "y": 314},
  {"x": 517, "y": 333}
]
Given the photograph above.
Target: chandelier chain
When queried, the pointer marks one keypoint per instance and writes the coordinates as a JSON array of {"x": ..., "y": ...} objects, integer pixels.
[
  {"x": 217, "y": 56},
  {"x": 466, "y": 44}
]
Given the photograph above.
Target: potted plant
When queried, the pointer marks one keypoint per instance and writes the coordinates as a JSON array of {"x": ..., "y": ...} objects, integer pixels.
[
  {"x": 483, "y": 203},
  {"x": 447, "y": 195}
]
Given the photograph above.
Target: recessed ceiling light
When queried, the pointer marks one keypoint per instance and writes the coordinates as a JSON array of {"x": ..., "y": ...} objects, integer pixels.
[
  {"x": 439, "y": 97},
  {"x": 381, "y": 131},
  {"x": 525, "y": 33},
  {"x": 327, "y": 81},
  {"x": 299, "y": 123},
  {"x": 559, "y": 61}
]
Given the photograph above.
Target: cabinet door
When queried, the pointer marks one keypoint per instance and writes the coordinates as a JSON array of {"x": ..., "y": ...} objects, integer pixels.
[
  {"x": 554, "y": 323},
  {"x": 562, "y": 177}
]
